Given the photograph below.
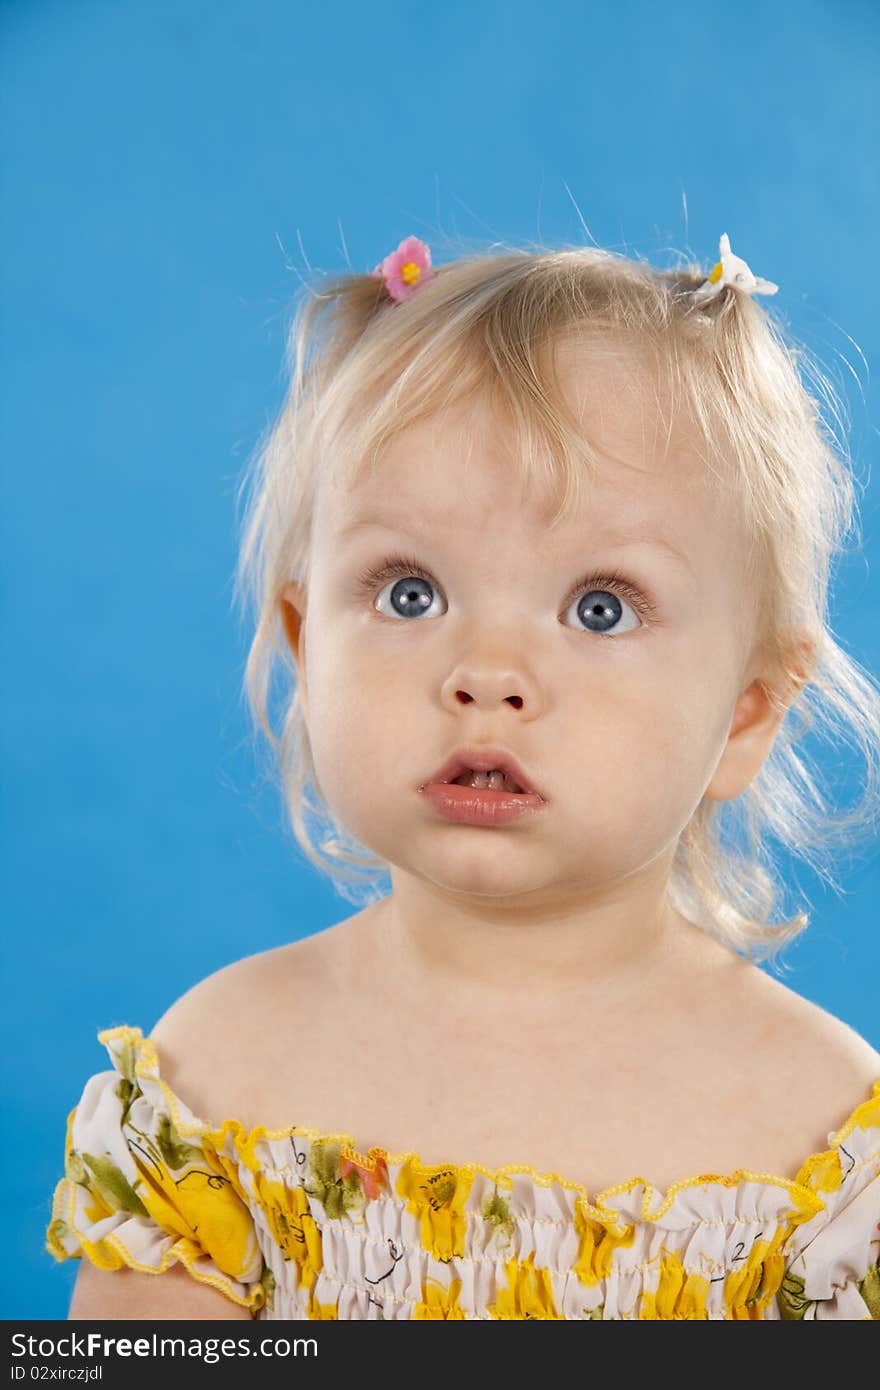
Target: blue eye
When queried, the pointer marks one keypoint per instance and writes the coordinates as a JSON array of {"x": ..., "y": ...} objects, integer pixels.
[
  {"x": 410, "y": 597},
  {"x": 600, "y": 609}
]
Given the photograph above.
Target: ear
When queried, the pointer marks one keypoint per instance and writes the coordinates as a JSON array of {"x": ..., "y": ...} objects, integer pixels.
[
  {"x": 292, "y": 608},
  {"x": 757, "y": 716}
]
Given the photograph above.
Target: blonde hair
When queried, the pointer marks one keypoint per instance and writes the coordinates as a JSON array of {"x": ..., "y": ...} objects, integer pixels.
[{"x": 362, "y": 368}]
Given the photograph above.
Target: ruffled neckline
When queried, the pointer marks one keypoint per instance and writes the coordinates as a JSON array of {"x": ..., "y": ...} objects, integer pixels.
[{"x": 135, "y": 1055}]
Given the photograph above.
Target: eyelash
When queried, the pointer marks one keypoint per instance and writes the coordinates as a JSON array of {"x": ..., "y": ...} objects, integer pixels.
[{"x": 372, "y": 578}]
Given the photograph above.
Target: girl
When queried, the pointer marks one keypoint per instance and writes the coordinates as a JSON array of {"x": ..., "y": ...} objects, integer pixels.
[{"x": 544, "y": 541}]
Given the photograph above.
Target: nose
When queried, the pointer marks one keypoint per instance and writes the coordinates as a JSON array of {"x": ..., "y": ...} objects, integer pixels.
[{"x": 490, "y": 685}]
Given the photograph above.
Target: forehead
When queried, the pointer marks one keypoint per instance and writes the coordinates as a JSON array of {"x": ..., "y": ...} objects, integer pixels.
[{"x": 459, "y": 470}]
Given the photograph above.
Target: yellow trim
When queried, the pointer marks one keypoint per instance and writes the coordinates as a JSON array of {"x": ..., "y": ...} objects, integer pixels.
[{"x": 866, "y": 1115}]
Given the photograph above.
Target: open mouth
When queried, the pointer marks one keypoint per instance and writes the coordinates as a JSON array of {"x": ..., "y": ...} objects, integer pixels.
[
  {"x": 494, "y": 771},
  {"x": 496, "y": 780}
]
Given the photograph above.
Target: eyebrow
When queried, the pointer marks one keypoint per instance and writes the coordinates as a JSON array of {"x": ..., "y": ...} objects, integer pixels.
[{"x": 622, "y": 539}]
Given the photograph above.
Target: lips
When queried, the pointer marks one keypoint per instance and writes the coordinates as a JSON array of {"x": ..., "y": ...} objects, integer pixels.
[{"x": 484, "y": 760}]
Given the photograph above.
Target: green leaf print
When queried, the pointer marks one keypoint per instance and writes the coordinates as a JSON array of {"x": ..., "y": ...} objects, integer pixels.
[
  {"x": 127, "y": 1093},
  {"x": 339, "y": 1195},
  {"x": 497, "y": 1210},
  {"x": 869, "y": 1288},
  {"x": 267, "y": 1279},
  {"x": 791, "y": 1299},
  {"x": 289, "y": 1228},
  {"x": 58, "y": 1229},
  {"x": 441, "y": 1188},
  {"x": 75, "y": 1169},
  {"x": 127, "y": 1060},
  {"x": 759, "y": 1291},
  {"x": 113, "y": 1186},
  {"x": 175, "y": 1151}
]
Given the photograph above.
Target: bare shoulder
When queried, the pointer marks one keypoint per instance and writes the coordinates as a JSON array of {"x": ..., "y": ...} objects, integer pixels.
[
  {"x": 214, "y": 1041},
  {"x": 818, "y": 1066},
  {"x": 834, "y": 1038}
]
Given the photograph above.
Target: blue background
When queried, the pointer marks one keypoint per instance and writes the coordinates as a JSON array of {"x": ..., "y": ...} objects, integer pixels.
[{"x": 169, "y": 170}]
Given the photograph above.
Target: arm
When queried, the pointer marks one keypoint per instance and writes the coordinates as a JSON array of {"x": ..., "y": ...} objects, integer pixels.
[{"x": 101, "y": 1294}]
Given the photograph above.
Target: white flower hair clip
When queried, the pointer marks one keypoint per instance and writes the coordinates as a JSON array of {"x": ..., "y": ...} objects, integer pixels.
[{"x": 730, "y": 270}]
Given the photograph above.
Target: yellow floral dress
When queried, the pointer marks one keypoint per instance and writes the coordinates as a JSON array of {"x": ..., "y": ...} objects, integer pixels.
[{"x": 296, "y": 1224}]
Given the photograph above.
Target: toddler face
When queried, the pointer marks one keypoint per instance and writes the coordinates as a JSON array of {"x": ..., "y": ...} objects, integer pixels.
[{"x": 620, "y": 724}]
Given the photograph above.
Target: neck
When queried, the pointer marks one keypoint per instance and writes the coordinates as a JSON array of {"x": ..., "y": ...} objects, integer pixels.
[{"x": 605, "y": 947}]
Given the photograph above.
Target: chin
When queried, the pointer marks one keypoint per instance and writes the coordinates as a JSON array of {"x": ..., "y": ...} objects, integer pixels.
[{"x": 479, "y": 871}]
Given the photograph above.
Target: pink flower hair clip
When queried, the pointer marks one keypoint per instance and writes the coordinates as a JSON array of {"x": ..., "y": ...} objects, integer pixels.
[
  {"x": 405, "y": 269},
  {"x": 730, "y": 270}
]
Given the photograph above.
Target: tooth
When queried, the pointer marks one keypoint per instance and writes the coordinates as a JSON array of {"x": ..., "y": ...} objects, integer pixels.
[{"x": 495, "y": 780}]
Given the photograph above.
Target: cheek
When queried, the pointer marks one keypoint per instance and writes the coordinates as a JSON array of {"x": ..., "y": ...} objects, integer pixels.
[
  {"x": 362, "y": 723},
  {"x": 651, "y": 729}
]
